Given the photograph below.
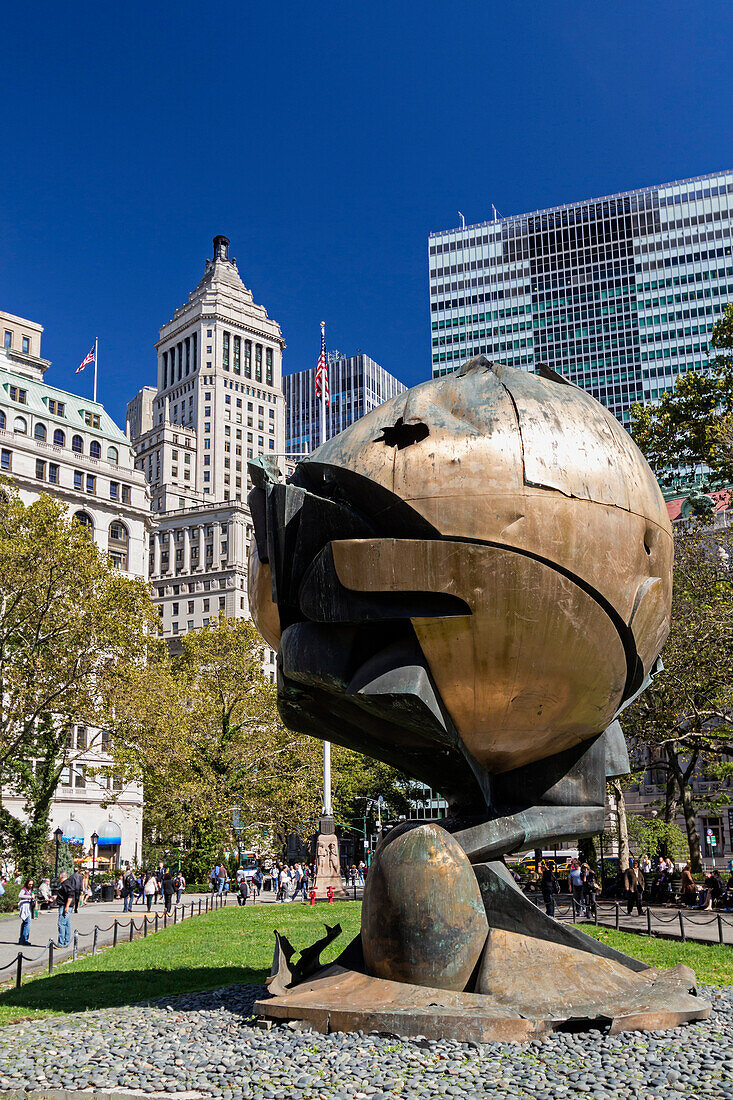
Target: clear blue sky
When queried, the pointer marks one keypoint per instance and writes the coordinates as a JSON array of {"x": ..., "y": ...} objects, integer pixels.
[{"x": 326, "y": 140}]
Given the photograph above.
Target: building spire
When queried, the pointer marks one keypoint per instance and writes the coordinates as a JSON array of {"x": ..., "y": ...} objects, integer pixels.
[{"x": 221, "y": 247}]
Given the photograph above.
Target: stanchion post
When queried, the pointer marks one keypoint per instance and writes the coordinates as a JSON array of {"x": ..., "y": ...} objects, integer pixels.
[
  {"x": 618, "y": 915},
  {"x": 94, "y": 939},
  {"x": 156, "y": 921},
  {"x": 75, "y": 950},
  {"x": 19, "y": 970},
  {"x": 648, "y": 921},
  {"x": 175, "y": 914},
  {"x": 682, "y": 926},
  {"x": 595, "y": 913},
  {"x": 50, "y": 956},
  {"x": 199, "y": 906},
  {"x": 572, "y": 907},
  {"x": 721, "y": 938},
  {"x": 145, "y": 925},
  {"x": 165, "y": 918},
  {"x": 114, "y": 935},
  {"x": 132, "y": 929}
]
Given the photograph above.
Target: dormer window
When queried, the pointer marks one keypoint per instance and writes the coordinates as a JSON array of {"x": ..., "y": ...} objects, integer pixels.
[
  {"x": 57, "y": 408},
  {"x": 91, "y": 419},
  {"x": 16, "y": 394}
]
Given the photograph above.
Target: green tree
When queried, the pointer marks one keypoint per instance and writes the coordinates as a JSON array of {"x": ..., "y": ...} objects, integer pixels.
[
  {"x": 690, "y": 429},
  {"x": 686, "y": 714},
  {"x": 70, "y": 625},
  {"x": 202, "y": 731}
]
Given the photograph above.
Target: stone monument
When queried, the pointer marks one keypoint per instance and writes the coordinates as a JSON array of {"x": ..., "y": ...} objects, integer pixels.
[
  {"x": 471, "y": 583},
  {"x": 328, "y": 867}
]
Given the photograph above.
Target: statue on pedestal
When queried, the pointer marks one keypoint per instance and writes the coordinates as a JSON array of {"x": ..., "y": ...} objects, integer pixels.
[{"x": 471, "y": 583}]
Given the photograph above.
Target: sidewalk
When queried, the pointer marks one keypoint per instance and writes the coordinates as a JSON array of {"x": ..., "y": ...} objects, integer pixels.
[
  {"x": 103, "y": 914},
  {"x": 698, "y": 926}
]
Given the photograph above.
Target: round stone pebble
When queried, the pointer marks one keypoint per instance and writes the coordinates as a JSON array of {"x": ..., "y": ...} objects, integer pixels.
[{"x": 207, "y": 1045}]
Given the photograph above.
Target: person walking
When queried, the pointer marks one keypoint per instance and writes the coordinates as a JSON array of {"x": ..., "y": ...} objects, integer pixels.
[
  {"x": 180, "y": 885},
  {"x": 689, "y": 889},
  {"x": 590, "y": 889},
  {"x": 76, "y": 883},
  {"x": 26, "y": 902},
  {"x": 257, "y": 880},
  {"x": 634, "y": 887},
  {"x": 242, "y": 891},
  {"x": 167, "y": 888},
  {"x": 575, "y": 879},
  {"x": 150, "y": 889},
  {"x": 549, "y": 886},
  {"x": 221, "y": 879},
  {"x": 128, "y": 890},
  {"x": 64, "y": 899}
]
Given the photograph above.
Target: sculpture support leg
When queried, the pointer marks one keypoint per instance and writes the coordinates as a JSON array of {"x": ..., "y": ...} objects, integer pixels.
[{"x": 529, "y": 827}]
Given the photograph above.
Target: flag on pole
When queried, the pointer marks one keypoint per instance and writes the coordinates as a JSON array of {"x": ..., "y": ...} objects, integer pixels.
[
  {"x": 322, "y": 371},
  {"x": 91, "y": 358}
]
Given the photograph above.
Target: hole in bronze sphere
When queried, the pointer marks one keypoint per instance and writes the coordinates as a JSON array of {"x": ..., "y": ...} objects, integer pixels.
[{"x": 403, "y": 435}]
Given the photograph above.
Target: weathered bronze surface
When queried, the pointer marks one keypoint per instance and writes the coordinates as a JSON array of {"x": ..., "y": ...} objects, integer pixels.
[
  {"x": 470, "y": 583},
  {"x": 423, "y": 919}
]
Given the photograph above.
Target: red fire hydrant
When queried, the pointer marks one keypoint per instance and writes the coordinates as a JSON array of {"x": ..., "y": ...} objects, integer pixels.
[
  {"x": 313, "y": 895},
  {"x": 329, "y": 893}
]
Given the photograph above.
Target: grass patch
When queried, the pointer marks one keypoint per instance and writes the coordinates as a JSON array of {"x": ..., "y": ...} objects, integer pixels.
[
  {"x": 712, "y": 962},
  {"x": 229, "y": 946}
]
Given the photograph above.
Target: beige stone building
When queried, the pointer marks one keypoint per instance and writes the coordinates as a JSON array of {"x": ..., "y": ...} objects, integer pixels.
[{"x": 218, "y": 402}]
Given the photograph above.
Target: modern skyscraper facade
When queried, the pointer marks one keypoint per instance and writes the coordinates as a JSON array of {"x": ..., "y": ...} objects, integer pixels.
[
  {"x": 618, "y": 294},
  {"x": 218, "y": 402},
  {"x": 356, "y": 384},
  {"x": 55, "y": 442}
]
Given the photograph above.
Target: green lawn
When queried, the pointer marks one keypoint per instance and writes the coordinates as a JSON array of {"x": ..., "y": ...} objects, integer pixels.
[
  {"x": 223, "y": 948},
  {"x": 712, "y": 963}
]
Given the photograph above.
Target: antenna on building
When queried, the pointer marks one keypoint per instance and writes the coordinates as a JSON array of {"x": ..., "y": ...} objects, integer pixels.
[{"x": 463, "y": 220}]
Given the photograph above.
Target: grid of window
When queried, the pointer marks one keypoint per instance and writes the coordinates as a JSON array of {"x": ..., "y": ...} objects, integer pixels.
[{"x": 619, "y": 294}]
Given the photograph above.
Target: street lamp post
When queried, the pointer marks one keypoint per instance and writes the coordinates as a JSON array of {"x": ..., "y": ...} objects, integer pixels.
[
  {"x": 94, "y": 838},
  {"x": 57, "y": 834}
]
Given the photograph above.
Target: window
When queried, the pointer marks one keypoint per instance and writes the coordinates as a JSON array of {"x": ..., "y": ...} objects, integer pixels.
[
  {"x": 175, "y": 608},
  {"x": 258, "y": 362},
  {"x": 53, "y": 473},
  {"x": 125, "y": 494},
  {"x": 77, "y": 444},
  {"x": 20, "y": 425},
  {"x": 225, "y": 351},
  {"x": 95, "y": 451},
  {"x": 6, "y": 460},
  {"x": 222, "y": 602},
  {"x": 91, "y": 419},
  {"x": 113, "y": 455},
  {"x": 3, "y": 421},
  {"x": 8, "y": 341},
  {"x": 190, "y": 607},
  {"x": 16, "y": 394},
  {"x": 237, "y": 354},
  {"x": 114, "y": 490},
  {"x": 58, "y": 408},
  {"x": 78, "y": 480},
  {"x": 59, "y": 438},
  {"x": 84, "y": 519},
  {"x": 80, "y": 779},
  {"x": 247, "y": 358},
  {"x": 81, "y": 737},
  {"x": 39, "y": 433},
  {"x": 118, "y": 531},
  {"x": 91, "y": 485},
  {"x": 40, "y": 469},
  {"x": 26, "y": 345},
  {"x": 268, "y": 366}
]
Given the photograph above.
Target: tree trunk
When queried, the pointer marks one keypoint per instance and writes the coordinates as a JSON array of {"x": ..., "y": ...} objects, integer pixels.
[
  {"x": 688, "y": 806},
  {"x": 621, "y": 826}
]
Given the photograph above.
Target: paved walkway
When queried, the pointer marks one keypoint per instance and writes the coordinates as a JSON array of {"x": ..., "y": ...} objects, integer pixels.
[{"x": 698, "y": 926}]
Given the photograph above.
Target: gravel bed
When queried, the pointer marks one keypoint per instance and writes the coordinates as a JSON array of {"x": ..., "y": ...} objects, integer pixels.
[{"x": 205, "y": 1044}]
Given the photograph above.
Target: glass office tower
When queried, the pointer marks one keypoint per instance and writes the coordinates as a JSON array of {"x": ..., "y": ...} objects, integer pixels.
[
  {"x": 357, "y": 385},
  {"x": 619, "y": 294}
]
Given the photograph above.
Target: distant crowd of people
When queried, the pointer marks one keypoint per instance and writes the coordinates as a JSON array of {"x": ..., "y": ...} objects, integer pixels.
[{"x": 288, "y": 882}]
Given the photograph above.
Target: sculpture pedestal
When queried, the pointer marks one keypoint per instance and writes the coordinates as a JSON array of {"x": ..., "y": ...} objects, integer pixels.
[{"x": 328, "y": 866}]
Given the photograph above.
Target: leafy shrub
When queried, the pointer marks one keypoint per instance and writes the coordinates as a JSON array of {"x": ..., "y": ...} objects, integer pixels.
[{"x": 9, "y": 900}]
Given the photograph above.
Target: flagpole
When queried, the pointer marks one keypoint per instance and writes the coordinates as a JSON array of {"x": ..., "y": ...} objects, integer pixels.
[
  {"x": 96, "y": 344},
  {"x": 327, "y": 807}
]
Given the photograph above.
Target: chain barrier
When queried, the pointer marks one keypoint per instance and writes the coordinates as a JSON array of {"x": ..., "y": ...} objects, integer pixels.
[{"x": 49, "y": 950}]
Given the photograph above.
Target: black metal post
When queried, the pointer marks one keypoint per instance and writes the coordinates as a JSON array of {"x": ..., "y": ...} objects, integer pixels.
[
  {"x": 682, "y": 926},
  {"x": 50, "y": 956},
  {"x": 618, "y": 915},
  {"x": 199, "y": 906},
  {"x": 165, "y": 918},
  {"x": 132, "y": 929},
  {"x": 94, "y": 838},
  {"x": 175, "y": 914},
  {"x": 156, "y": 922},
  {"x": 19, "y": 970},
  {"x": 721, "y": 937},
  {"x": 57, "y": 834},
  {"x": 94, "y": 940},
  {"x": 648, "y": 921},
  {"x": 114, "y": 935}
]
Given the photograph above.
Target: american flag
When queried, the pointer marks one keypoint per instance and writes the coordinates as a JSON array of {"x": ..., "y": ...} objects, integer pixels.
[
  {"x": 85, "y": 362},
  {"x": 322, "y": 372}
]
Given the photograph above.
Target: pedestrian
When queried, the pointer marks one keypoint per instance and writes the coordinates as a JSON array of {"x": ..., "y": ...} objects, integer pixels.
[
  {"x": 128, "y": 891},
  {"x": 549, "y": 886},
  {"x": 26, "y": 902},
  {"x": 590, "y": 889},
  {"x": 242, "y": 891},
  {"x": 257, "y": 880},
  {"x": 150, "y": 889},
  {"x": 180, "y": 884},
  {"x": 646, "y": 865},
  {"x": 167, "y": 890},
  {"x": 76, "y": 883},
  {"x": 634, "y": 887},
  {"x": 689, "y": 889},
  {"x": 64, "y": 899},
  {"x": 575, "y": 879},
  {"x": 44, "y": 894},
  {"x": 221, "y": 878},
  {"x": 139, "y": 887}
]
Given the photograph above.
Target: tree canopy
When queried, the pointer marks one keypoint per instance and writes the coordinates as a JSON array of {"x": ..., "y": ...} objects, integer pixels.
[{"x": 70, "y": 627}]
